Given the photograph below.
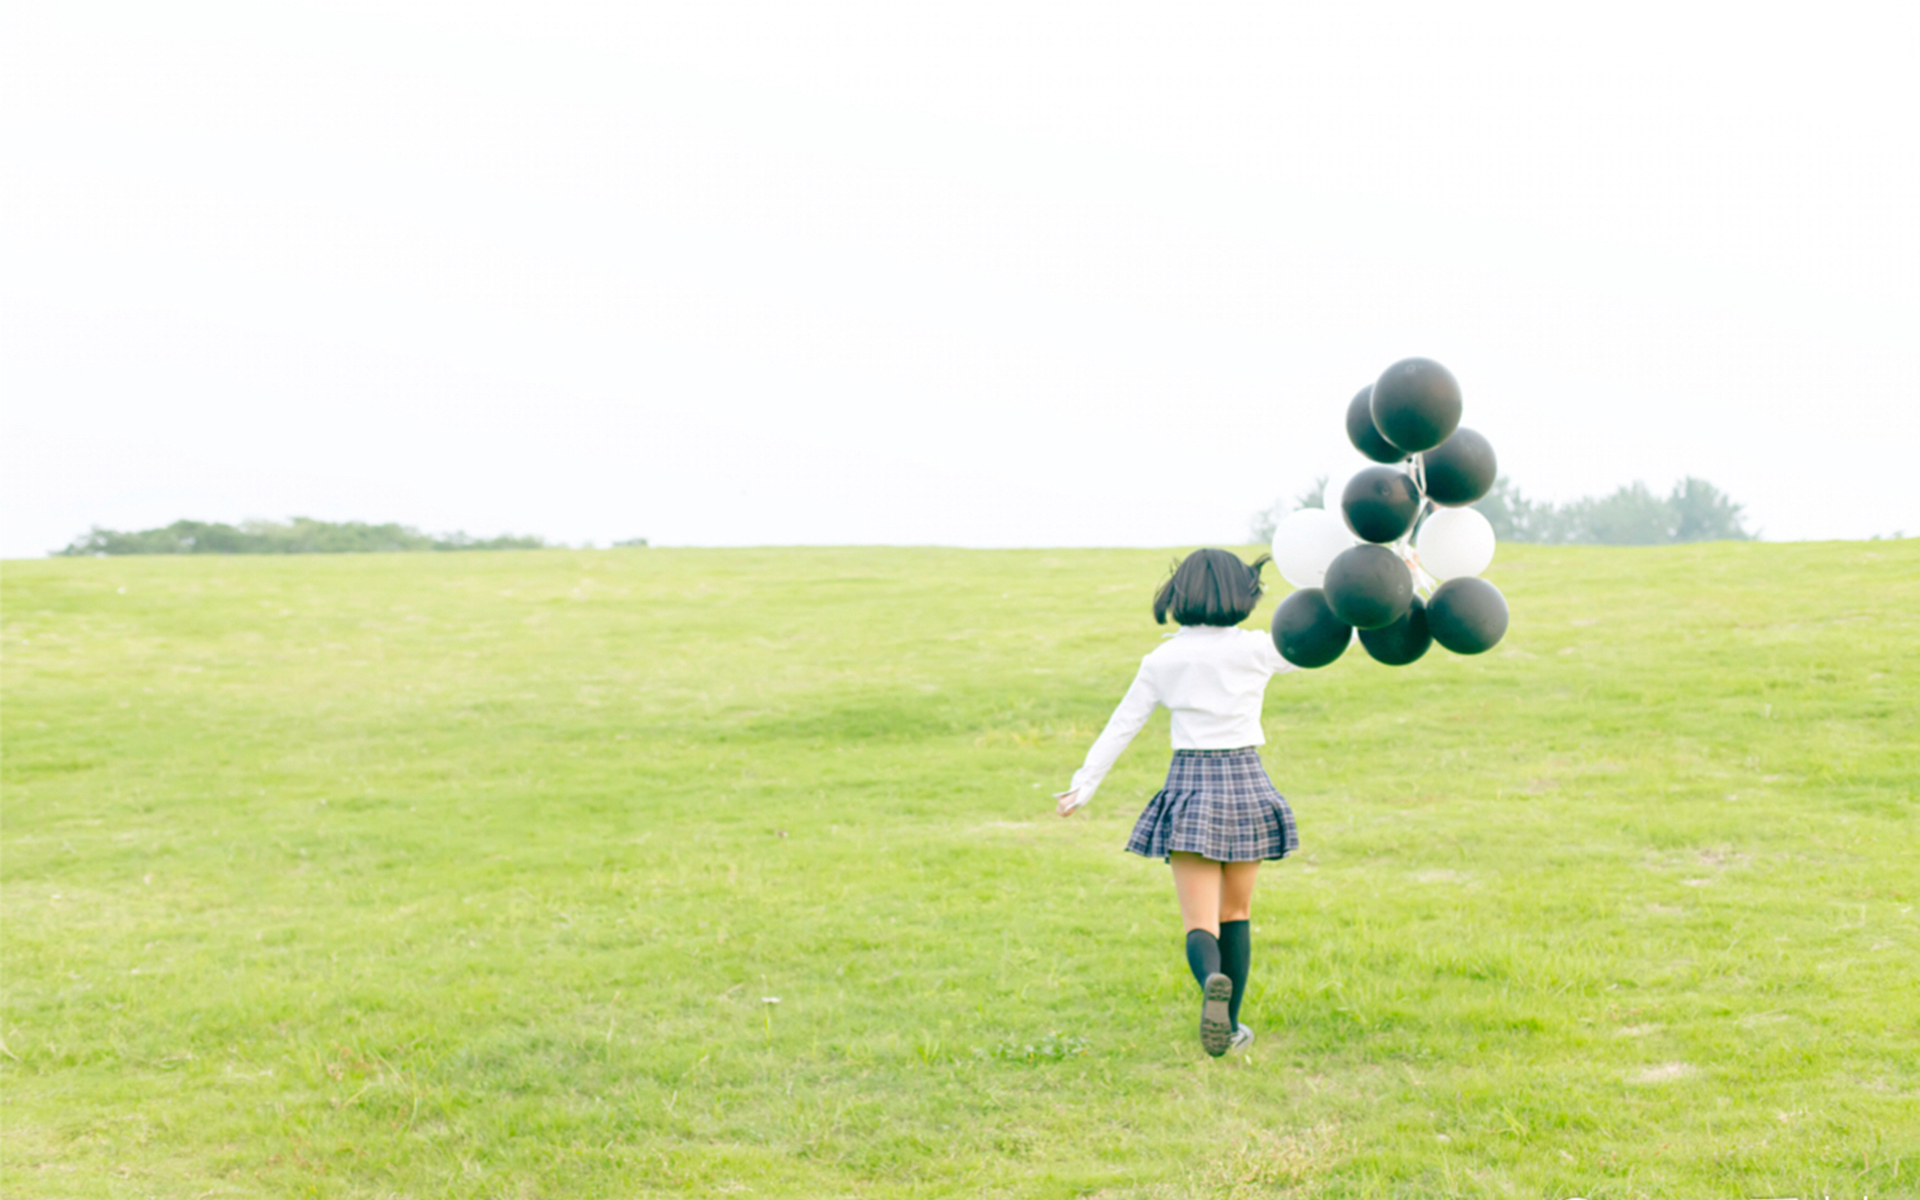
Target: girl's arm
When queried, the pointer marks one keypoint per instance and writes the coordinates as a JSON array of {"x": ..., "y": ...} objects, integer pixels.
[
  {"x": 1269, "y": 654},
  {"x": 1135, "y": 707}
]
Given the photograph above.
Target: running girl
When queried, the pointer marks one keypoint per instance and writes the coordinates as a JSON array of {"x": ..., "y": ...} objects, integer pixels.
[{"x": 1218, "y": 817}]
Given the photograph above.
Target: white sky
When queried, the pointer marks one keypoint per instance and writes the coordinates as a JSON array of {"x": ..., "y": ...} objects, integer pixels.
[{"x": 975, "y": 273}]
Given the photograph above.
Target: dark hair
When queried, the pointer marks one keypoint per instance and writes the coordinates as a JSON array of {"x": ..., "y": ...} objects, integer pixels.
[{"x": 1210, "y": 587}]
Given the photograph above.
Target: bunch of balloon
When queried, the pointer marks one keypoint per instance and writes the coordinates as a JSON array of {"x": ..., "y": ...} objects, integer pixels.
[{"x": 1396, "y": 554}]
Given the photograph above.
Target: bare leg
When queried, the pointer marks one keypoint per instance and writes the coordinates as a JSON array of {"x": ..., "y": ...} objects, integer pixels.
[
  {"x": 1236, "y": 891},
  {"x": 1197, "y": 881}
]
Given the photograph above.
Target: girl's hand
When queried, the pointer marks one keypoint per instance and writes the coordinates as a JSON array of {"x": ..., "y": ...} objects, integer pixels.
[{"x": 1067, "y": 801}]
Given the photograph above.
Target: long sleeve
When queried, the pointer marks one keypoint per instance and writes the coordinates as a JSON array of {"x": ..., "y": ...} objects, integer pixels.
[
  {"x": 1128, "y": 719},
  {"x": 1269, "y": 655}
]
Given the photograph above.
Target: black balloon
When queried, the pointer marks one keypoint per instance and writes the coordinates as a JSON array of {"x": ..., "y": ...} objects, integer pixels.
[
  {"x": 1467, "y": 615},
  {"x": 1380, "y": 503},
  {"x": 1306, "y": 632},
  {"x": 1365, "y": 435},
  {"x": 1461, "y": 470},
  {"x": 1402, "y": 642},
  {"x": 1416, "y": 404},
  {"x": 1368, "y": 587}
]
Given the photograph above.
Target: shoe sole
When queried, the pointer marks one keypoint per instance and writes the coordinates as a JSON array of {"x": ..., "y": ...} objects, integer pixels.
[{"x": 1216, "y": 1031}]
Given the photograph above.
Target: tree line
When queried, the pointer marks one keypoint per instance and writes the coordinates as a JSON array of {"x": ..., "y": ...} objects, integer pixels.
[
  {"x": 1694, "y": 511},
  {"x": 301, "y": 535}
]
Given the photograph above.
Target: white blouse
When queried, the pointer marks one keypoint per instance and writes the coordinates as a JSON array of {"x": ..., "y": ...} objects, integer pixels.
[{"x": 1212, "y": 677}]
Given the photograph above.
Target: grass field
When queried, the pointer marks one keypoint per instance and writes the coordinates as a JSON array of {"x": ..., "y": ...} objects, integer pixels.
[{"x": 478, "y": 875}]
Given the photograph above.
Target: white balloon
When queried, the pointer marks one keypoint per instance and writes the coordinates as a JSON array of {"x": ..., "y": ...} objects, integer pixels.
[
  {"x": 1305, "y": 542},
  {"x": 1455, "y": 542}
]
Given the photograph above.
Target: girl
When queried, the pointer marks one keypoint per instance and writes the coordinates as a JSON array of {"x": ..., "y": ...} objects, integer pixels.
[{"x": 1218, "y": 817}]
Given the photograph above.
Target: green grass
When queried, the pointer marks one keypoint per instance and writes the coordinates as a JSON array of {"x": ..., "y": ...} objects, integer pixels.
[{"x": 471, "y": 875}]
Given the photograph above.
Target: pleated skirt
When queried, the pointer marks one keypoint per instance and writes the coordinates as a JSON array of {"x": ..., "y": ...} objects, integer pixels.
[{"x": 1220, "y": 805}]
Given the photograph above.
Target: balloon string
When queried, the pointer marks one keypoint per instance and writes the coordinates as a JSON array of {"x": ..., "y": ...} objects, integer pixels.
[{"x": 1423, "y": 582}]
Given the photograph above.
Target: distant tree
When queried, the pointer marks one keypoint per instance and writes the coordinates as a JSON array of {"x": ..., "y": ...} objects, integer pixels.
[
  {"x": 1313, "y": 497},
  {"x": 301, "y": 535},
  {"x": 459, "y": 540},
  {"x": 1514, "y": 517},
  {"x": 1705, "y": 514},
  {"x": 1268, "y": 519},
  {"x": 1629, "y": 516},
  {"x": 631, "y": 542},
  {"x": 1695, "y": 511},
  {"x": 1261, "y": 525}
]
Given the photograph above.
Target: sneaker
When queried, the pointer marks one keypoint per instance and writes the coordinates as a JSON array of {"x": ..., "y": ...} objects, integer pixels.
[
  {"x": 1242, "y": 1040},
  {"x": 1216, "y": 1030}
]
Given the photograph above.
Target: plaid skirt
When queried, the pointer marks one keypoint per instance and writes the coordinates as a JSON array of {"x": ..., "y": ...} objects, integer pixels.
[{"x": 1220, "y": 805}]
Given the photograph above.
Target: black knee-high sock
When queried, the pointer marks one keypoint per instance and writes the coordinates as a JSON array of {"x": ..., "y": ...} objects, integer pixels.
[
  {"x": 1203, "y": 954},
  {"x": 1236, "y": 957}
]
